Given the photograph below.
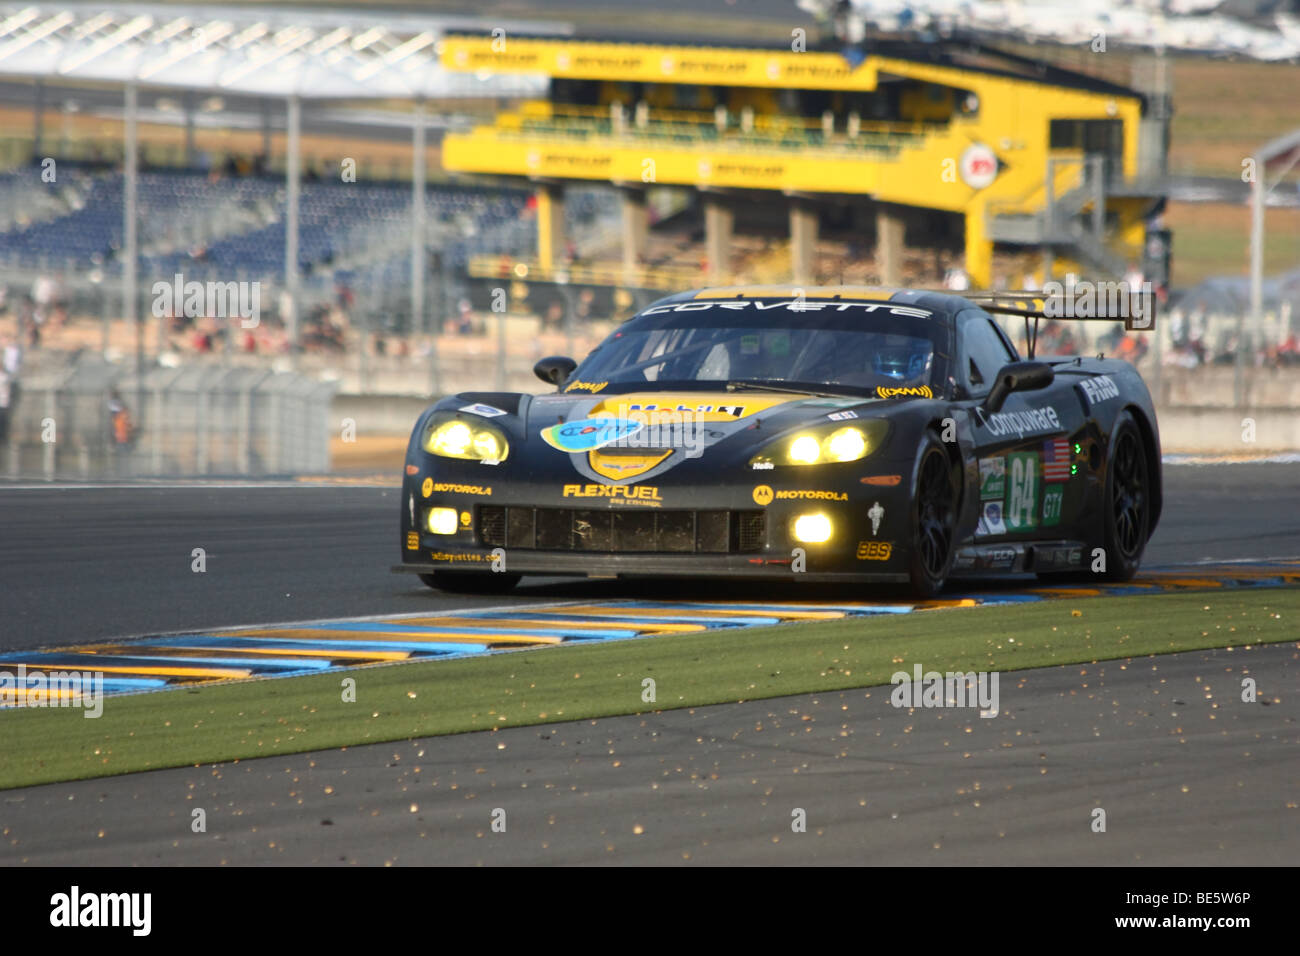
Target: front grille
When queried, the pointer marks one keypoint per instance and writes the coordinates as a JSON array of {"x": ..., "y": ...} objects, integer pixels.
[
  {"x": 492, "y": 524},
  {"x": 752, "y": 533},
  {"x": 630, "y": 531}
]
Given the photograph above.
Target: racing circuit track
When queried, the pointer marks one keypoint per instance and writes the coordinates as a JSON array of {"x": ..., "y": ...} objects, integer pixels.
[{"x": 711, "y": 785}]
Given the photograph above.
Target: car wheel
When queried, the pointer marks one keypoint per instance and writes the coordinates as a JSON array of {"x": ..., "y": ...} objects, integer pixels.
[
  {"x": 934, "y": 518},
  {"x": 1126, "y": 515},
  {"x": 1126, "y": 523},
  {"x": 470, "y": 583}
]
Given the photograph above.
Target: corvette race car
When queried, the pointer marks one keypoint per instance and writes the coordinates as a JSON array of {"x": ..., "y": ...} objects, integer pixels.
[{"x": 828, "y": 434}]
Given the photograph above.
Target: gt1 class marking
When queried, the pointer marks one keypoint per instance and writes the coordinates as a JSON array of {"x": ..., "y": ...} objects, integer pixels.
[
  {"x": 889, "y": 481},
  {"x": 1021, "y": 491},
  {"x": 169, "y": 661}
]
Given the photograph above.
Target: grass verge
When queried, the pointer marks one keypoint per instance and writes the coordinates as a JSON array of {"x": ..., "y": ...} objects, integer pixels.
[{"x": 262, "y": 718}]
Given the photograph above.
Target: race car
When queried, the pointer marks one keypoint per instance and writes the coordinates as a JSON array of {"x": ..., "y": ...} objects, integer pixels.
[{"x": 823, "y": 434}]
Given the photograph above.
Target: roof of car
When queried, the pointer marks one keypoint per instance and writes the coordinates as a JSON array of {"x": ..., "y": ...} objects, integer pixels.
[
  {"x": 938, "y": 302},
  {"x": 850, "y": 292}
]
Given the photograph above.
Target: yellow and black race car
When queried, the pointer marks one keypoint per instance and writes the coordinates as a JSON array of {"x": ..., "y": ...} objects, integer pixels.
[{"x": 817, "y": 434}]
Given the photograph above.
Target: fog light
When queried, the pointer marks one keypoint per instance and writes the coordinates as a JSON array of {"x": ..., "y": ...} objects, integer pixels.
[
  {"x": 812, "y": 529},
  {"x": 442, "y": 520}
]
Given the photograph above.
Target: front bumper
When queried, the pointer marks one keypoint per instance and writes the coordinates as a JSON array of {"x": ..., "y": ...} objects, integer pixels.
[{"x": 680, "y": 527}]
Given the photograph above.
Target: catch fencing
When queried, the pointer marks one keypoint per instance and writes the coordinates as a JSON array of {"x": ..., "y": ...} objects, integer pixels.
[{"x": 83, "y": 417}]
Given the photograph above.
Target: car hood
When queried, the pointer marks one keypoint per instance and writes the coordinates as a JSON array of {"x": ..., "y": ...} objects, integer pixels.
[{"x": 624, "y": 438}]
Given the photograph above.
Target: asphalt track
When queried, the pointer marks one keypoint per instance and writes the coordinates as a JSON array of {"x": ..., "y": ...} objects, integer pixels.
[
  {"x": 85, "y": 563},
  {"x": 1185, "y": 772}
]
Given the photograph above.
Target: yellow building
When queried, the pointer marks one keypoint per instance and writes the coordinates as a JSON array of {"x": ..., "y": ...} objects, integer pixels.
[{"x": 1025, "y": 154}]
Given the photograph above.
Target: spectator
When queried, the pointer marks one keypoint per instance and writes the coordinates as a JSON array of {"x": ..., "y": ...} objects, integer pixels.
[
  {"x": 1288, "y": 353},
  {"x": 10, "y": 360},
  {"x": 121, "y": 429}
]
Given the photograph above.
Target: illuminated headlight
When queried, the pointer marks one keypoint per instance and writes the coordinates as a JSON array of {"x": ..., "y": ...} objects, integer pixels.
[
  {"x": 805, "y": 450},
  {"x": 441, "y": 520},
  {"x": 846, "y": 444},
  {"x": 823, "y": 446},
  {"x": 812, "y": 529},
  {"x": 467, "y": 440}
]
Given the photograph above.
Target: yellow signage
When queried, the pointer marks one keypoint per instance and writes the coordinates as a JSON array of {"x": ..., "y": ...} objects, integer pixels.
[{"x": 638, "y": 62}]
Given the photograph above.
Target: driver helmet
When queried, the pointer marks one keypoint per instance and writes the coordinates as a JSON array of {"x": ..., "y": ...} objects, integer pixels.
[{"x": 902, "y": 361}]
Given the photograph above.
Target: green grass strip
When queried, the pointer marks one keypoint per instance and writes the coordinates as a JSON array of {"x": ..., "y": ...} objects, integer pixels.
[{"x": 260, "y": 718}]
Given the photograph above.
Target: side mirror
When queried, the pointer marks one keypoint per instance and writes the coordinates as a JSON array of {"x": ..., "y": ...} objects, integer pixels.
[
  {"x": 1018, "y": 377},
  {"x": 554, "y": 369}
]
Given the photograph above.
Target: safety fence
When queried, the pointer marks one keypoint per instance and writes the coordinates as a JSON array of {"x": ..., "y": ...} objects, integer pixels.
[{"x": 84, "y": 417}]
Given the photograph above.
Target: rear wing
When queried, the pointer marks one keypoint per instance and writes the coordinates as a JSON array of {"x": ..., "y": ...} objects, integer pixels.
[{"x": 1081, "y": 301}]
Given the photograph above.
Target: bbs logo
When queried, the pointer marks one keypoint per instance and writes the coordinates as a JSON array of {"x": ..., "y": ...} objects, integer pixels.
[{"x": 875, "y": 550}]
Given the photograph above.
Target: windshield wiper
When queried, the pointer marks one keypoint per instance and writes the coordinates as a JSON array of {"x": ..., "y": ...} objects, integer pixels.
[{"x": 760, "y": 387}]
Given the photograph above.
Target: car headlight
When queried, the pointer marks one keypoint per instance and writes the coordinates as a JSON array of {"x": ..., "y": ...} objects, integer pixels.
[
  {"x": 472, "y": 441},
  {"x": 824, "y": 446}
]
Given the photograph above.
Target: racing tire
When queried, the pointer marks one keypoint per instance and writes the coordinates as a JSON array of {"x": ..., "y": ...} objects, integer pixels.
[
  {"x": 1126, "y": 521},
  {"x": 458, "y": 582},
  {"x": 935, "y": 495}
]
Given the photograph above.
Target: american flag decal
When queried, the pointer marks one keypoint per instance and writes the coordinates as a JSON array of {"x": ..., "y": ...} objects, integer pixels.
[{"x": 1056, "y": 460}]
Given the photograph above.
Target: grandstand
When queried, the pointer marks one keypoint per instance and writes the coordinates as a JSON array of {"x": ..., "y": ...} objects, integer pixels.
[
  {"x": 943, "y": 141},
  {"x": 233, "y": 228}
]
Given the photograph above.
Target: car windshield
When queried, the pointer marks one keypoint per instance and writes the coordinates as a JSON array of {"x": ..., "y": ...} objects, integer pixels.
[{"x": 850, "y": 347}]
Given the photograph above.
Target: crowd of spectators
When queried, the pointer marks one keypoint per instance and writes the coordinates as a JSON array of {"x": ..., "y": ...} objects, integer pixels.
[{"x": 40, "y": 310}]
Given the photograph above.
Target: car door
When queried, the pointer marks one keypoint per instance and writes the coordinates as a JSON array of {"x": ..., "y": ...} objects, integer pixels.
[{"x": 1023, "y": 449}]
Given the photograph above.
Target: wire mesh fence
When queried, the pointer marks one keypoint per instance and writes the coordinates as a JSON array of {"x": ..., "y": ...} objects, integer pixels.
[{"x": 83, "y": 417}]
